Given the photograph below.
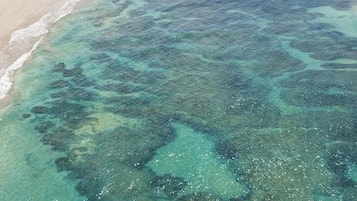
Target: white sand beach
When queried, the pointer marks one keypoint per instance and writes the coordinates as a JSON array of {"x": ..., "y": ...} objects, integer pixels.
[
  {"x": 18, "y": 14},
  {"x": 23, "y": 23}
]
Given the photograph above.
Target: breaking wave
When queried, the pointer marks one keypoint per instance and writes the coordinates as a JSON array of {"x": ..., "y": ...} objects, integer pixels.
[{"x": 24, "y": 41}]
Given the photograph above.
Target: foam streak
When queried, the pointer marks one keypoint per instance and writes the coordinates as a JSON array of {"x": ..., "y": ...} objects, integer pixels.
[
  {"x": 5, "y": 80},
  {"x": 24, "y": 41}
]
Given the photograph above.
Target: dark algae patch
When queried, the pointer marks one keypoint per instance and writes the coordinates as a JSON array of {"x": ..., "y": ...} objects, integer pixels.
[{"x": 200, "y": 100}]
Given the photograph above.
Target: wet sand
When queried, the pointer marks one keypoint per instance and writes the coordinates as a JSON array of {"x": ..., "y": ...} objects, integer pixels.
[
  {"x": 18, "y": 14},
  {"x": 22, "y": 26}
]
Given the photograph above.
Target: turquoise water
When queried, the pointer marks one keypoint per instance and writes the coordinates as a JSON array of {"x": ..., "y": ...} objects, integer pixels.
[{"x": 203, "y": 100}]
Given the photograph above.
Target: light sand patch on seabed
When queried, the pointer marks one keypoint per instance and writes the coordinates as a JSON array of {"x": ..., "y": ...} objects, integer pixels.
[
  {"x": 23, "y": 23},
  {"x": 345, "y": 21}
]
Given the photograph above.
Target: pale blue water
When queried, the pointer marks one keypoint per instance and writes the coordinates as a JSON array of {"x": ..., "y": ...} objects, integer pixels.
[{"x": 204, "y": 100}]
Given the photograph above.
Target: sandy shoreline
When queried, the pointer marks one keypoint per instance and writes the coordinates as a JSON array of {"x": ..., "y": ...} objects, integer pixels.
[
  {"x": 23, "y": 24},
  {"x": 18, "y": 14}
]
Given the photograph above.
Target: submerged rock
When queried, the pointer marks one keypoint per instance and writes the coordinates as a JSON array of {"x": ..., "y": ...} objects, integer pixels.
[
  {"x": 74, "y": 94},
  {"x": 44, "y": 126},
  {"x": 227, "y": 149},
  {"x": 170, "y": 185},
  {"x": 72, "y": 72},
  {"x": 58, "y": 84},
  {"x": 26, "y": 115},
  {"x": 59, "y": 140},
  {"x": 40, "y": 110},
  {"x": 60, "y": 67}
]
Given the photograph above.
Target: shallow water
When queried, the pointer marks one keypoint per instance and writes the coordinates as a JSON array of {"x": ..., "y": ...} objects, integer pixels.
[{"x": 183, "y": 100}]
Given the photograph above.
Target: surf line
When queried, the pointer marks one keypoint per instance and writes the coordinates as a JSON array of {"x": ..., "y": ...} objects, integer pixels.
[
  {"x": 22, "y": 38},
  {"x": 5, "y": 80}
]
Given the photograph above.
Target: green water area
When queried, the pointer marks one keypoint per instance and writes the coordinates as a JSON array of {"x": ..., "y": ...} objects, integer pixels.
[{"x": 187, "y": 101}]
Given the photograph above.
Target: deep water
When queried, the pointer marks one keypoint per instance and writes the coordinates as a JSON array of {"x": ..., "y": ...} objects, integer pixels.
[{"x": 188, "y": 101}]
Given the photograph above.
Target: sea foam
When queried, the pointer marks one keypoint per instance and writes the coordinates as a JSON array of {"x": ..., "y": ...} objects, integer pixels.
[
  {"x": 5, "y": 80},
  {"x": 24, "y": 41}
]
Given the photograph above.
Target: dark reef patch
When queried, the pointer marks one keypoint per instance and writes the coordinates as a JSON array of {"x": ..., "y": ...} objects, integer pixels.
[
  {"x": 227, "y": 149},
  {"x": 315, "y": 98},
  {"x": 59, "y": 84},
  {"x": 320, "y": 88},
  {"x": 59, "y": 140},
  {"x": 129, "y": 106},
  {"x": 338, "y": 46},
  {"x": 40, "y": 110},
  {"x": 77, "y": 94},
  {"x": 44, "y": 126},
  {"x": 72, "y": 72},
  {"x": 63, "y": 164},
  {"x": 277, "y": 63},
  {"x": 122, "y": 88},
  {"x": 82, "y": 81},
  {"x": 26, "y": 115},
  {"x": 60, "y": 67},
  {"x": 134, "y": 147},
  {"x": 214, "y": 67},
  {"x": 341, "y": 154},
  {"x": 64, "y": 106},
  {"x": 200, "y": 197},
  {"x": 339, "y": 66},
  {"x": 170, "y": 185}
]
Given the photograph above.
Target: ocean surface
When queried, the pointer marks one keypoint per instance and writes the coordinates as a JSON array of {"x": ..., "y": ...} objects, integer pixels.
[{"x": 187, "y": 101}]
